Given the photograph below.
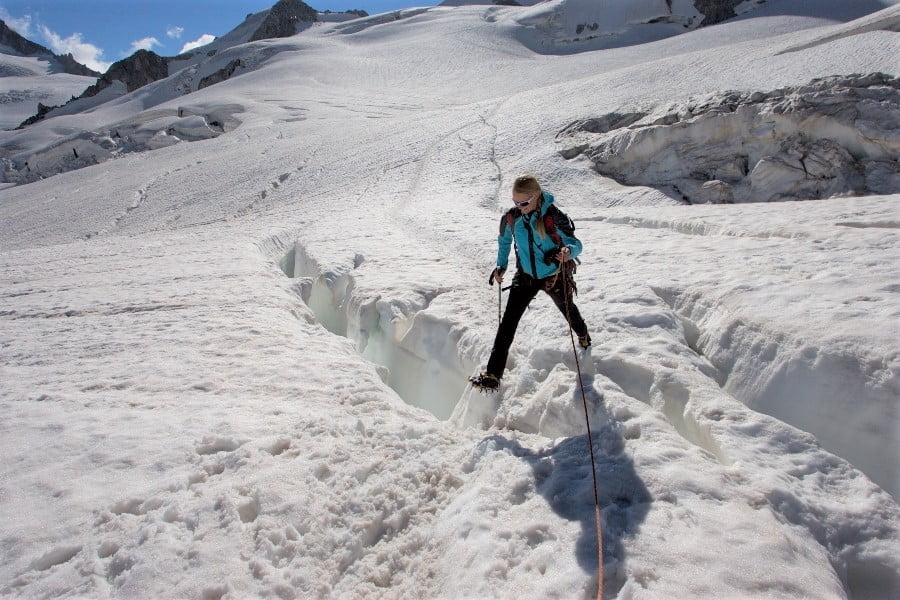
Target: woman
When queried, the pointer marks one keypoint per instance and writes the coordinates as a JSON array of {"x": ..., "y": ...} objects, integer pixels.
[{"x": 545, "y": 239}]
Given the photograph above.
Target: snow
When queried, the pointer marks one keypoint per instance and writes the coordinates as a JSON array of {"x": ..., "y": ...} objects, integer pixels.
[
  {"x": 887, "y": 20},
  {"x": 566, "y": 22},
  {"x": 233, "y": 360},
  {"x": 835, "y": 136},
  {"x": 27, "y": 81}
]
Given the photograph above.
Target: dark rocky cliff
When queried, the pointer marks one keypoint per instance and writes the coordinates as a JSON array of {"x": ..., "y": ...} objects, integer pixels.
[
  {"x": 285, "y": 19},
  {"x": 716, "y": 11},
  {"x": 139, "y": 69}
]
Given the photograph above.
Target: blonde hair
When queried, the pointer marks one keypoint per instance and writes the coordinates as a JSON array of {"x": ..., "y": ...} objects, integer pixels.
[{"x": 528, "y": 184}]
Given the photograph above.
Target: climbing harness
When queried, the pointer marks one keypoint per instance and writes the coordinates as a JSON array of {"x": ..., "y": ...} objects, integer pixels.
[{"x": 587, "y": 421}]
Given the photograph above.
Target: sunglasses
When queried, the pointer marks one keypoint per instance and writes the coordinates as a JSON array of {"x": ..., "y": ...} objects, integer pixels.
[{"x": 524, "y": 203}]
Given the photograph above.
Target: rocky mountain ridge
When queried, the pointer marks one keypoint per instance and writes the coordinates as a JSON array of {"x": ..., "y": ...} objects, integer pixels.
[
  {"x": 284, "y": 19},
  {"x": 25, "y": 47}
]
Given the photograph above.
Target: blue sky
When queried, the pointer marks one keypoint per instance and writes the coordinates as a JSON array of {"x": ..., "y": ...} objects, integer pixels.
[{"x": 99, "y": 32}]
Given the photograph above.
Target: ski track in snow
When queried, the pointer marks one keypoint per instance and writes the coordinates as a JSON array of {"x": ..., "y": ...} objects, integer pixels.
[{"x": 236, "y": 367}]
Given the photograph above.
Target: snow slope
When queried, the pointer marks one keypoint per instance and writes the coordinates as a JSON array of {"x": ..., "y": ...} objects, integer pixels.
[
  {"x": 233, "y": 366},
  {"x": 27, "y": 81}
]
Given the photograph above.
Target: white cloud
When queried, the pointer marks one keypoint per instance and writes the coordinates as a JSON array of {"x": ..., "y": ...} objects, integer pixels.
[
  {"x": 85, "y": 53},
  {"x": 201, "y": 41},
  {"x": 146, "y": 43},
  {"x": 22, "y": 25},
  {"x": 174, "y": 32}
]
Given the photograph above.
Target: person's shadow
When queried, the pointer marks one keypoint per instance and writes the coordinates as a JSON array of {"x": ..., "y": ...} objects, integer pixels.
[{"x": 562, "y": 475}]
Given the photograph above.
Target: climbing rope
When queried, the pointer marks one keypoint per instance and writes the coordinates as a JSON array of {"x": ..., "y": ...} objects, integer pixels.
[{"x": 566, "y": 294}]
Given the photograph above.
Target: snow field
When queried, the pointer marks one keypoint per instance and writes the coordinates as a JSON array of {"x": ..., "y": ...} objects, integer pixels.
[
  {"x": 25, "y": 82},
  {"x": 169, "y": 460},
  {"x": 196, "y": 341},
  {"x": 684, "y": 387}
]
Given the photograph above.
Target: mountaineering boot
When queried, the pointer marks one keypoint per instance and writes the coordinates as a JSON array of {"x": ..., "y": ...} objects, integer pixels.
[
  {"x": 485, "y": 382},
  {"x": 585, "y": 340}
]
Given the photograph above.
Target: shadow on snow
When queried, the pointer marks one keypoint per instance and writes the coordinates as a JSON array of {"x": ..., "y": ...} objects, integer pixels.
[{"x": 562, "y": 475}]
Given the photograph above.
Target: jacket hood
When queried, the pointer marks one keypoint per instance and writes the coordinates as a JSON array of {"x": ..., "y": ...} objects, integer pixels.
[{"x": 548, "y": 200}]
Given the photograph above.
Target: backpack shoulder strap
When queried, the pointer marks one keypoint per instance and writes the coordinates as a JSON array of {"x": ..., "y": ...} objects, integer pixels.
[
  {"x": 509, "y": 219},
  {"x": 555, "y": 220}
]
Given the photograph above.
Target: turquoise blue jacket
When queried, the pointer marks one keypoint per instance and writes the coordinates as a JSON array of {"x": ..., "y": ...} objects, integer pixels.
[{"x": 533, "y": 252}]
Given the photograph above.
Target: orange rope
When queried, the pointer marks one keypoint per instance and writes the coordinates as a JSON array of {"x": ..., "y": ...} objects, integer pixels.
[{"x": 590, "y": 441}]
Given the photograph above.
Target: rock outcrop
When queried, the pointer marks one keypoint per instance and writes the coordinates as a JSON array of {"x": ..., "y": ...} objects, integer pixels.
[
  {"x": 136, "y": 71},
  {"x": 285, "y": 19},
  {"x": 73, "y": 67},
  {"x": 139, "y": 69},
  {"x": 716, "y": 11},
  {"x": 221, "y": 75},
  {"x": 42, "y": 111},
  {"x": 834, "y": 136}
]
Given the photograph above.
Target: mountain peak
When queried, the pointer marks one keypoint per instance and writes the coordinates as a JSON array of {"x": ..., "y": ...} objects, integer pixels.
[
  {"x": 17, "y": 43},
  {"x": 139, "y": 69},
  {"x": 284, "y": 20},
  {"x": 25, "y": 47}
]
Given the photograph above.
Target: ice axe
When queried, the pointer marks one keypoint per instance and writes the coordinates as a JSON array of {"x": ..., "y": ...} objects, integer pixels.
[{"x": 499, "y": 293}]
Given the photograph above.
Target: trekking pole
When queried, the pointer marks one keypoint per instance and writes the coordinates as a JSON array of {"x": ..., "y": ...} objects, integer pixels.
[
  {"x": 587, "y": 421},
  {"x": 499, "y": 294}
]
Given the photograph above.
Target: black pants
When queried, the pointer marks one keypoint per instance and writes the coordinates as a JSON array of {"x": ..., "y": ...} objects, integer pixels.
[{"x": 523, "y": 290}]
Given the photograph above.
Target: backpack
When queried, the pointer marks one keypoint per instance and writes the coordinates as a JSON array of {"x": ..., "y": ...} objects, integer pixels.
[{"x": 554, "y": 220}]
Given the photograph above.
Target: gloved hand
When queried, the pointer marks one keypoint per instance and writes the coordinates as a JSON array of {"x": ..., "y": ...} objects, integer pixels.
[
  {"x": 560, "y": 254},
  {"x": 497, "y": 275}
]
